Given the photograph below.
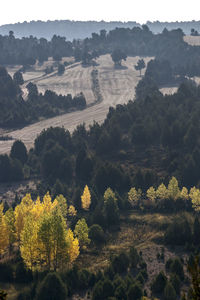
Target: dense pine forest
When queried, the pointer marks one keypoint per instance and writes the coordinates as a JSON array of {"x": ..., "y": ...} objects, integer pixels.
[{"x": 115, "y": 213}]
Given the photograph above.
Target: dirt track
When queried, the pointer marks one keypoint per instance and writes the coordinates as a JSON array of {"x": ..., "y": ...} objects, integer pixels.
[{"x": 117, "y": 86}]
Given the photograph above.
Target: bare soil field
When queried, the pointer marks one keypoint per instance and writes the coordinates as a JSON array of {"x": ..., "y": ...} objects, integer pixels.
[
  {"x": 117, "y": 87},
  {"x": 169, "y": 90},
  {"x": 192, "y": 40}
]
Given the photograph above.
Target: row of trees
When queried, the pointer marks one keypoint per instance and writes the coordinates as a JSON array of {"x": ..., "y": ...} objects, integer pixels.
[{"x": 154, "y": 197}]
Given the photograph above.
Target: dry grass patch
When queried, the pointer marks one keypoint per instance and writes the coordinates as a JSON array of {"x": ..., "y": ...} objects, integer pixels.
[{"x": 192, "y": 40}]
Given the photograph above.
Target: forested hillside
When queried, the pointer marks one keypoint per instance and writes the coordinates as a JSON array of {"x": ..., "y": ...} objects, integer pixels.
[
  {"x": 114, "y": 212},
  {"x": 168, "y": 45}
]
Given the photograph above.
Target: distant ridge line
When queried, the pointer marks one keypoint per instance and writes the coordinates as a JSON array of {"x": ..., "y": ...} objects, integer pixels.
[{"x": 82, "y": 29}]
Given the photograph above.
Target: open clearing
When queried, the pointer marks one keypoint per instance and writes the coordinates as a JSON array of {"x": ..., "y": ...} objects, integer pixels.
[
  {"x": 192, "y": 40},
  {"x": 117, "y": 87}
]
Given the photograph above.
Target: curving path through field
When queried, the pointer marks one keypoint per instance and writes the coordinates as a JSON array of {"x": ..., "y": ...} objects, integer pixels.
[{"x": 117, "y": 87}]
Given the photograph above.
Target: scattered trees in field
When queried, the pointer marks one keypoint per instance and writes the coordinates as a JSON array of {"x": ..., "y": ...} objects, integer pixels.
[
  {"x": 117, "y": 56},
  {"x": 140, "y": 65},
  {"x": 61, "y": 69}
]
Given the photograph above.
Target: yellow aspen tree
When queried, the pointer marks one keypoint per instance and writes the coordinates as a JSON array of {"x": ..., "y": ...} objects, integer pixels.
[
  {"x": 72, "y": 212},
  {"x": 45, "y": 239},
  {"x": 73, "y": 246},
  {"x": 109, "y": 194},
  {"x": 10, "y": 227},
  {"x": 151, "y": 194},
  {"x": 29, "y": 246},
  {"x": 184, "y": 194},
  {"x": 38, "y": 209},
  {"x": 52, "y": 236},
  {"x": 59, "y": 244},
  {"x": 3, "y": 232},
  {"x": 47, "y": 203},
  {"x": 86, "y": 198},
  {"x": 134, "y": 196},
  {"x": 81, "y": 231},
  {"x": 21, "y": 211},
  {"x": 173, "y": 189},
  {"x": 195, "y": 197},
  {"x": 162, "y": 192}
]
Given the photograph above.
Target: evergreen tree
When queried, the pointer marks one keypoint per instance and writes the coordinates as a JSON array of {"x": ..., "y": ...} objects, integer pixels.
[{"x": 52, "y": 288}]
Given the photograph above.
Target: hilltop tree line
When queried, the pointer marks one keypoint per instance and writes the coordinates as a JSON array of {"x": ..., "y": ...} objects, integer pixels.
[
  {"x": 82, "y": 29},
  {"x": 168, "y": 45}
]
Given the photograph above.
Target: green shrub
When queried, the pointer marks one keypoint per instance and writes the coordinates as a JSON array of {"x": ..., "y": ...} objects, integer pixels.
[
  {"x": 178, "y": 233},
  {"x": 144, "y": 274},
  {"x": 120, "y": 292},
  {"x": 169, "y": 292},
  {"x": 134, "y": 292},
  {"x": 120, "y": 263},
  {"x": 6, "y": 273},
  {"x": 52, "y": 288},
  {"x": 97, "y": 291},
  {"x": 159, "y": 283},
  {"x": 140, "y": 278},
  {"x": 96, "y": 234},
  {"x": 134, "y": 257},
  {"x": 175, "y": 281},
  {"x": 168, "y": 264},
  {"x": 177, "y": 268},
  {"x": 22, "y": 275},
  {"x": 107, "y": 289}
]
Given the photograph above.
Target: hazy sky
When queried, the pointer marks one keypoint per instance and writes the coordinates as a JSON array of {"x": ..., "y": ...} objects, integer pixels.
[{"x": 13, "y": 11}]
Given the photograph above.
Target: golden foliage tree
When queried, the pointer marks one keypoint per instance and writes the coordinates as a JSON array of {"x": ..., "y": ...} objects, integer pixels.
[
  {"x": 45, "y": 242},
  {"x": 184, "y": 194},
  {"x": 195, "y": 197},
  {"x": 62, "y": 203},
  {"x": 10, "y": 227},
  {"x": 109, "y": 194},
  {"x": 72, "y": 212},
  {"x": 173, "y": 189},
  {"x": 73, "y": 246},
  {"x": 151, "y": 194},
  {"x": 22, "y": 210},
  {"x": 162, "y": 192},
  {"x": 86, "y": 198},
  {"x": 29, "y": 246},
  {"x": 3, "y": 232},
  {"x": 134, "y": 196}
]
